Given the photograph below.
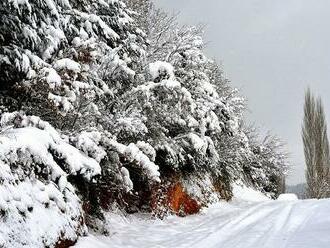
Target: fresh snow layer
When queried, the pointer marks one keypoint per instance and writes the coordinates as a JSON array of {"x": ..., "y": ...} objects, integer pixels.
[
  {"x": 239, "y": 224},
  {"x": 68, "y": 64},
  {"x": 287, "y": 197},
  {"x": 244, "y": 193},
  {"x": 37, "y": 143},
  {"x": 159, "y": 67}
]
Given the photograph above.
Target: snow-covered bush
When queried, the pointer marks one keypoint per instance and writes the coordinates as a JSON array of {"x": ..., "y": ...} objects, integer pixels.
[
  {"x": 38, "y": 206},
  {"x": 33, "y": 142},
  {"x": 36, "y": 158}
]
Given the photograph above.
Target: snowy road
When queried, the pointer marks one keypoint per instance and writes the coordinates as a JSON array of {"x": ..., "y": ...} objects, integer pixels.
[{"x": 268, "y": 224}]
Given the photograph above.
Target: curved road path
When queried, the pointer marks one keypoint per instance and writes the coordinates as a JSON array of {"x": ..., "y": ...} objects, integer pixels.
[{"x": 269, "y": 224}]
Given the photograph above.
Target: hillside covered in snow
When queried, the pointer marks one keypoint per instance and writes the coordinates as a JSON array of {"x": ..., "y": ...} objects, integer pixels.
[{"x": 112, "y": 105}]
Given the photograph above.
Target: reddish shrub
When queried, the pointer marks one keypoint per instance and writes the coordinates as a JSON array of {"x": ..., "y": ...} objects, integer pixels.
[
  {"x": 170, "y": 196},
  {"x": 180, "y": 202}
]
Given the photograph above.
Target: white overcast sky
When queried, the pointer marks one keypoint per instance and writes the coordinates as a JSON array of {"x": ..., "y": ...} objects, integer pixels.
[{"x": 272, "y": 51}]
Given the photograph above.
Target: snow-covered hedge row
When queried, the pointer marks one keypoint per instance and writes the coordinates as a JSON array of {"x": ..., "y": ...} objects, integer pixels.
[
  {"x": 35, "y": 162},
  {"x": 109, "y": 113}
]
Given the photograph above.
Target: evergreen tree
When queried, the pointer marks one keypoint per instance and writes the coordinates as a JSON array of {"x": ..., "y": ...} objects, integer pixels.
[{"x": 65, "y": 60}]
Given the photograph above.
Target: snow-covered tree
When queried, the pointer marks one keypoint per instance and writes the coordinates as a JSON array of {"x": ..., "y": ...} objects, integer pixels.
[
  {"x": 216, "y": 108},
  {"x": 69, "y": 62},
  {"x": 65, "y": 59}
]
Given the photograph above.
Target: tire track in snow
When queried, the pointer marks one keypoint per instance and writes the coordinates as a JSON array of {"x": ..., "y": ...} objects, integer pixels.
[
  {"x": 270, "y": 224},
  {"x": 249, "y": 232}
]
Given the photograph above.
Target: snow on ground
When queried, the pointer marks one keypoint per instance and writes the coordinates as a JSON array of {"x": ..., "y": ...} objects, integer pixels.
[
  {"x": 239, "y": 224},
  {"x": 287, "y": 197},
  {"x": 244, "y": 193}
]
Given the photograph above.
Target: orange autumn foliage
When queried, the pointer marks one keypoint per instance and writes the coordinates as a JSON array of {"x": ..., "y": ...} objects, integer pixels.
[{"x": 180, "y": 202}]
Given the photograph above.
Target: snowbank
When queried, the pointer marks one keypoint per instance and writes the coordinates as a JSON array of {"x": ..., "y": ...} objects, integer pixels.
[
  {"x": 244, "y": 193},
  {"x": 287, "y": 197}
]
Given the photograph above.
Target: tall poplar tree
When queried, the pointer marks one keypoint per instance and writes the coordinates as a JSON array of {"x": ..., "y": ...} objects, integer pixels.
[{"x": 316, "y": 147}]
